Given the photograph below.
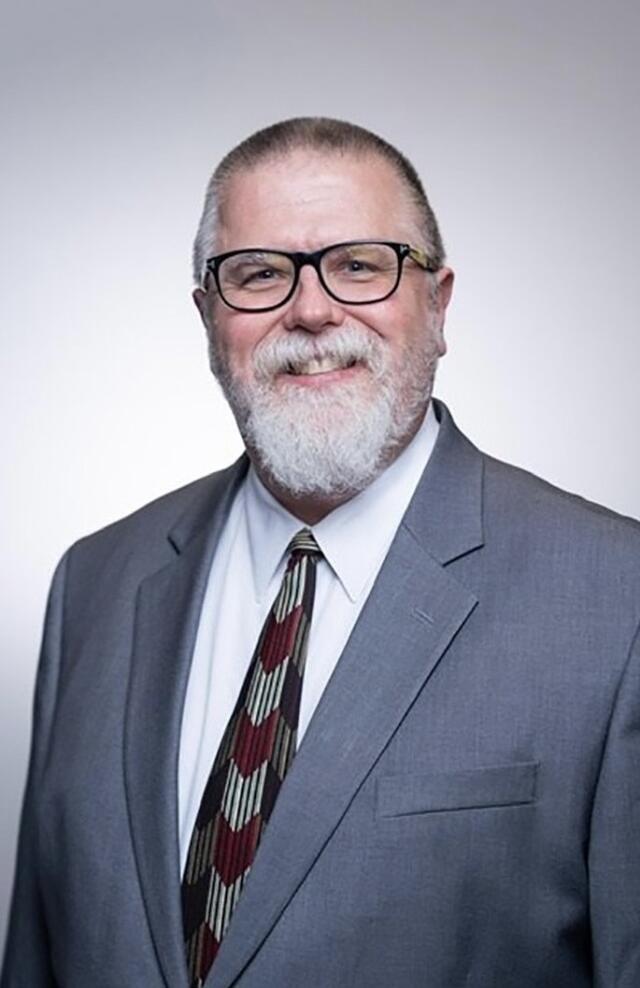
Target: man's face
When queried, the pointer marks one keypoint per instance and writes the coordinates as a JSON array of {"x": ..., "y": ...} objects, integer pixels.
[{"x": 305, "y": 201}]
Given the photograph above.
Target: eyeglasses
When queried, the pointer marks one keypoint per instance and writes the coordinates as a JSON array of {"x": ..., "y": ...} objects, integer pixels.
[{"x": 357, "y": 272}]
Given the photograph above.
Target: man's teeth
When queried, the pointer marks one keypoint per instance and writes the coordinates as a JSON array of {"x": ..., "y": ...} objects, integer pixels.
[{"x": 318, "y": 365}]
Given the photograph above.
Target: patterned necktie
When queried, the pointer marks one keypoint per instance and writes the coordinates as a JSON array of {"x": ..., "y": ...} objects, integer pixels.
[{"x": 254, "y": 755}]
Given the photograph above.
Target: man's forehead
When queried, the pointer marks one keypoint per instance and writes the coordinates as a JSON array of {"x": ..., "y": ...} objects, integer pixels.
[
  {"x": 314, "y": 189},
  {"x": 311, "y": 167}
]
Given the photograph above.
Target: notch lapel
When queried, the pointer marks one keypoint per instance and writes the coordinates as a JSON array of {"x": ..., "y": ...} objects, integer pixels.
[
  {"x": 414, "y": 610},
  {"x": 166, "y": 622}
]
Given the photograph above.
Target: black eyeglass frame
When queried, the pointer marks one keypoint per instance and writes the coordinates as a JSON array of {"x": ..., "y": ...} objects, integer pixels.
[{"x": 299, "y": 258}]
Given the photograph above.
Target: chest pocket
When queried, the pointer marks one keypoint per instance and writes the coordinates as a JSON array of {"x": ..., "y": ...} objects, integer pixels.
[{"x": 468, "y": 789}]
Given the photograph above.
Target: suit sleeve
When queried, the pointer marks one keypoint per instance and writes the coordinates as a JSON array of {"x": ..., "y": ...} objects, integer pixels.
[
  {"x": 614, "y": 850},
  {"x": 27, "y": 962}
]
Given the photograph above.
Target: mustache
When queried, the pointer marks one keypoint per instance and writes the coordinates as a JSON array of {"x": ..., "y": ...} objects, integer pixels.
[{"x": 346, "y": 345}]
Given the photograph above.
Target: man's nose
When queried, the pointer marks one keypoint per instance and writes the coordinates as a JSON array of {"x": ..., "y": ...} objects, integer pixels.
[{"x": 311, "y": 308}]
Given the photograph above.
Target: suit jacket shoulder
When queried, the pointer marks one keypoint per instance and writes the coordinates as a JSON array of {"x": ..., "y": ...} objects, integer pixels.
[
  {"x": 534, "y": 516},
  {"x": 143, "y": 540}
]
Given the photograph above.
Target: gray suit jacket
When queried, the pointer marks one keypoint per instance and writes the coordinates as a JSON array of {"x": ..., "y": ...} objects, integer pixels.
[{"x": 464, "y": 810}]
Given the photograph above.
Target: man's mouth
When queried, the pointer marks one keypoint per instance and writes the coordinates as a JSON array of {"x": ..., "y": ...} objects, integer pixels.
[{"x": 318, "y": 365}]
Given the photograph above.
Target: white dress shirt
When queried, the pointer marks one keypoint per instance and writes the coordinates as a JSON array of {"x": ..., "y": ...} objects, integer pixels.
[{"x": 245, "y": 577}]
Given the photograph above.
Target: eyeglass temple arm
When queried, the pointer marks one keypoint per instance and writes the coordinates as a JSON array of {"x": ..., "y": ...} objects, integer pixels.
[{"x": 422, "y": 258}]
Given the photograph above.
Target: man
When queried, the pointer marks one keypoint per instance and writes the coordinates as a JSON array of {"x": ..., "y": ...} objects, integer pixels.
[{"x": 452, "y": 652}]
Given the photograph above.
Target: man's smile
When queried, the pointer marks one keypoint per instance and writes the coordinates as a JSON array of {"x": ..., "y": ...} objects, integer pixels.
[
  {"x": 321, "y": 371},
  {"x": 318, "y": 365}
]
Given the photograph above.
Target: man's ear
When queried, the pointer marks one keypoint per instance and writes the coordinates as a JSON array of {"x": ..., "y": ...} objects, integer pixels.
[
  {"x": 444, "y": 280},
  {"x": 201, "y": 301},
  {"x": 443, "y": 288}
]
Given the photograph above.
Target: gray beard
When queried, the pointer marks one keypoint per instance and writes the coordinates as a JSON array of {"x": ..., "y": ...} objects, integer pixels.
[{"x": 336, "y": 441}]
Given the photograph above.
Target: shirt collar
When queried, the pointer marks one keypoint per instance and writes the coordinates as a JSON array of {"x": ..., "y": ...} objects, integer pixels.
[{"x": 354, "y": 537}]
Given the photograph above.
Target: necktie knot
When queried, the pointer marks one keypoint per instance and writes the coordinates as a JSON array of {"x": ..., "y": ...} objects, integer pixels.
[{"x": 303, "y": 542}]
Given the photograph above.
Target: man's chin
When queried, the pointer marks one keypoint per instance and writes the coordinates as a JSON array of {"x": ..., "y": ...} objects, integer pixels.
[{"x": 319, "y": 443}]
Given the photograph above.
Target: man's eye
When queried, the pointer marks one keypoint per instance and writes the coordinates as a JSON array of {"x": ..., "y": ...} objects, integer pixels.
[
  {"x": 262, "y": 274},
  {"x": 354, "y": 263},
  {"x": 357, "y": 266},
  {"x": 262, "y": 277}
]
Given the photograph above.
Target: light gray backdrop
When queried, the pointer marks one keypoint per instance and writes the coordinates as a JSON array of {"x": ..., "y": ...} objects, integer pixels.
[{"x": 523, "y": 120}]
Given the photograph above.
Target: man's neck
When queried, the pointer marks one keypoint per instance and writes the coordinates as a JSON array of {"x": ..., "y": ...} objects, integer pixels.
[{"x": 309, "y": 508}]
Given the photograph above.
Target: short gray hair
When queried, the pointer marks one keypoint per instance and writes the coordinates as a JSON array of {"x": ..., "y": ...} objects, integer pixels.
[{"x": 318, "y": 134}]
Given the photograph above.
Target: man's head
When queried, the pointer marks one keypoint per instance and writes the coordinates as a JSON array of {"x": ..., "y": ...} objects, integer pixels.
[{"x": 330, "y": 386}]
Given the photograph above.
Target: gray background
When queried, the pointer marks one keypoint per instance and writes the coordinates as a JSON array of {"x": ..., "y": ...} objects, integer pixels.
[{"x": 522, "y": 119}]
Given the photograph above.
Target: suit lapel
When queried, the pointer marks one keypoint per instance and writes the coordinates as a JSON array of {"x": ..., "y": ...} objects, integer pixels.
[
  {"x": 167, "y": 613},
  {"x": 415, "y": 608}
]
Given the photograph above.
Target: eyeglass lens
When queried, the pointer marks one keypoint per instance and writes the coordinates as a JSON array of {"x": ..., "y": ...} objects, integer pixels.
[{"x": 353, "y": 273}]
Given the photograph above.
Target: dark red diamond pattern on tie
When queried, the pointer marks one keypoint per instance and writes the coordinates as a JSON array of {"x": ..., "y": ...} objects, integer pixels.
[
  {"x": 254, "y": 756},
  {"x": 251, "y": 742},
  {"x": 234, "y": 850}
]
